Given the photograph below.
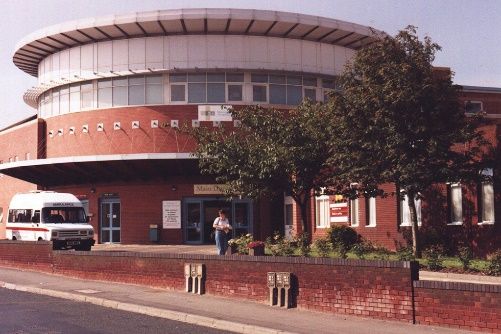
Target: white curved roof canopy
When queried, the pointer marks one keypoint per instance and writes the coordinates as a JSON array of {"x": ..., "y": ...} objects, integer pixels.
[{"x": 38, "y": 45}]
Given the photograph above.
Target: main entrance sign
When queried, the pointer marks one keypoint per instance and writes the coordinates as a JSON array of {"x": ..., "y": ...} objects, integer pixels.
[{"x": 208, "y": 189}]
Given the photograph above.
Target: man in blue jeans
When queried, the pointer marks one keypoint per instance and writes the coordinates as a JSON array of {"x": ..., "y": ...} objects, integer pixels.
[{"x": 223, "y": 227}]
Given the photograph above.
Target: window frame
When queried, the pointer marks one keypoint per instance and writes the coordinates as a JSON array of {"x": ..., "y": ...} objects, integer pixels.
[{"x": 324, "y": 200}]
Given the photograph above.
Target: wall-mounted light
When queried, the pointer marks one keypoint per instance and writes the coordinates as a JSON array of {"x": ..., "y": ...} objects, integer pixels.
[
  {"x": 154, "y": 124},
  {"x": 100, "y": 127},
  {"x": 85, "y": 128},
  {"x": 71, "y": 130},
  {"x": 237, "y": 123},
  {"x": 174, "y": 123},
  {"x": 216, "y": 124},
  {"x": 135, "y": 124},
  {"x": 93, "y": 190},
  {"x": 195, "y": 123},
  {"x": 116, "y": 126},
  {"x": 174, "y": 187},
  {"x": 60, "y": 132},
  {"x": 51, "y": 133}
]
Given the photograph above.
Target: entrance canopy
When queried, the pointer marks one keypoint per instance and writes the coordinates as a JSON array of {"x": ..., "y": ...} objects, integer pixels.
[{"x": 101, "y": 168}]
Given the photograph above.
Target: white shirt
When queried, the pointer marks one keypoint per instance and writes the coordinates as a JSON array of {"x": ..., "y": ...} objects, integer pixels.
[{"x": 220, "y": 224}]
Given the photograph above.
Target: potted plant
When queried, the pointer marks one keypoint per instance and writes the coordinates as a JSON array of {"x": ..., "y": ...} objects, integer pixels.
[
  {"x": 232, "y": 247},
  {"x": 256, "y": 248}
]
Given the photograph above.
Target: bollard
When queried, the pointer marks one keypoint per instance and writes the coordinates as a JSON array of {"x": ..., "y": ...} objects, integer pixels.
[
  {"x": 283, "y": 283},
  {"x": 187, "y": 276},
  {"x": 272, "y": 285},
  {"x": 195, "y": 275}
]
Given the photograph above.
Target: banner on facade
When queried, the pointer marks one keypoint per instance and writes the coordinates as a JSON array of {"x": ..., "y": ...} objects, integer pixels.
[
  {"x": 171, "y": 214},
  {"x": 213, "y": 113}
]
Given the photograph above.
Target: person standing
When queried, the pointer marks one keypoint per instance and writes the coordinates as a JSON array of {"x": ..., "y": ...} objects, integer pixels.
[{"x": 223, "y": 228}]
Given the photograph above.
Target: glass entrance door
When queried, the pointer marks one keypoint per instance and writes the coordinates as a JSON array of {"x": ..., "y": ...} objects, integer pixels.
[
  {"x": 199, "y": 215},
  {"x": 110, "y": 221}
]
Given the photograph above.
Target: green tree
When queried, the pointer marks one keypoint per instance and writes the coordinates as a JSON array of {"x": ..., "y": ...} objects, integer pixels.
[
  {"x": 398, "y": 120},
  {"x": 273, "y": 152}
]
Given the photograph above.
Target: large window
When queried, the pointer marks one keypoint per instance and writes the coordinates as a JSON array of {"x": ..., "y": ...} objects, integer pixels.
[
  {"x": 197, "y": 88},
  {"x": 455, "y": 199},
  {"x": 322, "y": 216},
  {"x": 354, "y": 212},
  {"x": 405, "y": 214},
  {"x": 486, "y": 208},
  {"x": 370, "y": 211}
]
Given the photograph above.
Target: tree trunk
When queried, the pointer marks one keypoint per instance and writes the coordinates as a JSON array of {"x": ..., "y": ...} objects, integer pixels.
[{"x": 416, "y": 249}]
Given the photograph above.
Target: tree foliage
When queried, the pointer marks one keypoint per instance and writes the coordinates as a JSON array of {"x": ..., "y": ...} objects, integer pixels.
[
  {"x": 398, "y": 120},
  {"x": 273, "y": 152}
]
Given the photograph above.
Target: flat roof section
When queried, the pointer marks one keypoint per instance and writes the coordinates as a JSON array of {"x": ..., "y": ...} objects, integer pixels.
[
  {"x": 38, "y": 45},
  {"x": 102, "y": 168}
]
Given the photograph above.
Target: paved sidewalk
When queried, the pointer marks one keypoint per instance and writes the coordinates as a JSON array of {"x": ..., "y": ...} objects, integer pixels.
[{"x": 221, "y": 313}]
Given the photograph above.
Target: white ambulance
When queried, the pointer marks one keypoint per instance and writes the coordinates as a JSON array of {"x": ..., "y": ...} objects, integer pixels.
[{"x": 48, "y": 215}]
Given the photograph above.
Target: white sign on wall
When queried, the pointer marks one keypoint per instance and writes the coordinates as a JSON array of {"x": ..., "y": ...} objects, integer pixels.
[
  {"x": 171, "y": 214},
  {"x": 213, "y": 113}
]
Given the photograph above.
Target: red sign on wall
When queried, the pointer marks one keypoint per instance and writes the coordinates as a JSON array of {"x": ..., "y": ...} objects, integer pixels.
[{"x": 338, "y": 210}]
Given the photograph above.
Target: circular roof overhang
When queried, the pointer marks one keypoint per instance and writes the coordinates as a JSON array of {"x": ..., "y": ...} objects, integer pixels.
[{"x": 30, "y": 51}]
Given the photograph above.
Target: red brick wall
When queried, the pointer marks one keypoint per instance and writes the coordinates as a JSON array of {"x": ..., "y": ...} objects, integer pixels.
[
  {"x": 372, "y": 289},
  {"x": 26, "y": 254},
  {"x": 123, "y": 141},
  {"x": 375, "y": 289},
  {"x": 458, "y": 305}
]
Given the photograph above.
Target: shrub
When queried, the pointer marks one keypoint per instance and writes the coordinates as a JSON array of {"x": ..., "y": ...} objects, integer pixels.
[
  {"x": 465, "y": 255},
  {"x": 362, "y": 248},
  {"x": 241, "y": 243},
  {"x": 255, "y": 244},
  {"x": 323, "y": 247},
  {"x": 382, "y": 253},
  {"x": 279, "y": 245},
  {"x": 434, "y": 256},
  {"x": 494, "y": 267},
  {"x": 342, "y": 238},
  {"x": 302, "y": 244},
  {"x": 405, "y": 254}
]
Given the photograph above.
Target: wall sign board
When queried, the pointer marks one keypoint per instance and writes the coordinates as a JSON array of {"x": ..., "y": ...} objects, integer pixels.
[{"x": 171, "y": 214}]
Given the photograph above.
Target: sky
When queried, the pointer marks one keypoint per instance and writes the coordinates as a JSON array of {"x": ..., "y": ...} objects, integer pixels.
[{"x": 468, "y": 31}]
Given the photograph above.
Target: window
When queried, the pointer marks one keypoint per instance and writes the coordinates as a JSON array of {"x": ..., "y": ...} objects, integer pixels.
[
  {"x": 216, "y": 92},
  {"x": 20, "y": 216},
  {"x": 473, "y": 107},
  {"x": 486, "y": 203},
  {"x": 370, "y": 211},
  {"x": 310, "y": 93},
  {"x": 405, "y": 214},
  {"x": 86, "y": 95},
  {"x": 154, "y": 89},
  {"x": 120, "y": 92},
  {"x": 354, "y": 212},
  {"x": 136, "y": 90},
  {"x": 74, "y": 97},
  {"x": 278, "y": 94},
  {"x": 259, "y": 93},
  {"x": 235, "y": 92},
  {"x": 177, "y": 93},
  {"x": 104, "y": 93},
  {"x": 64, "y": 100},
  {"x": 455, "y": 204},
  {"x": 55, "y": 101},
  {"x": 322, "y": 216}
]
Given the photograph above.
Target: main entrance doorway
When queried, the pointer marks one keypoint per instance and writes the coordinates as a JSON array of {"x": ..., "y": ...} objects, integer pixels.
[
  {"x": 110, "y": 220},
  {"x": 199, "y": 215}
]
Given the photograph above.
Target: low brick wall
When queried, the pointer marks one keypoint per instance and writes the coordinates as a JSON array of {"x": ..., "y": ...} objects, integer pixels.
[
  {"x": 458, "y": 305},
  {"x": 376, "y": 289},
  {"x": 26, "y": 254}
]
